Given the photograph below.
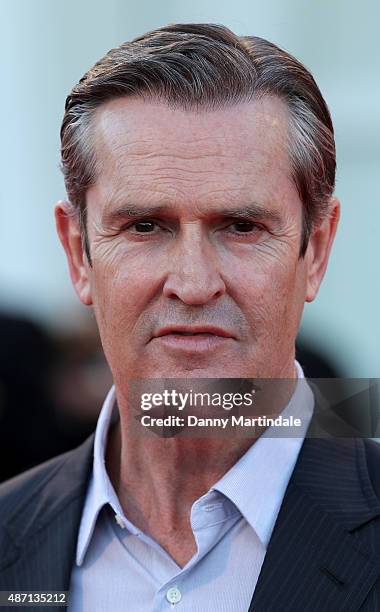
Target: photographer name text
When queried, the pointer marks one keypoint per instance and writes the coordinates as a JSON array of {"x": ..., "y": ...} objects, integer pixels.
[{"x": 220, "y": 422}]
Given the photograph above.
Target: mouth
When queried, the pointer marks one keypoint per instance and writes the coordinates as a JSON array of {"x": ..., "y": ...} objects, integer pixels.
[
  {"x": 193, "y": 338},
  {"x": 193, "y": 330},
  {"x": 191, "y": 333}
]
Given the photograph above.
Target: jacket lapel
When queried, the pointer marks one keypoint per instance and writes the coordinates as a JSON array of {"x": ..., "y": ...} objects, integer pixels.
[
  {"x": 319, "y": 557},
  {"x": 42, "y": 532}
]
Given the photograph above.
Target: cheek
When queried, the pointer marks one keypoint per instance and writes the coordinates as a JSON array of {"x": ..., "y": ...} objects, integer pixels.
[
  {"x": 286, "y": 305},
  {"x": 124, "y": 285},
  {"x": 271, "y": 297}
]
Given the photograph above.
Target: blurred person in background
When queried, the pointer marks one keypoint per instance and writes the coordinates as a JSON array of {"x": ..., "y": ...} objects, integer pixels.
[
  {"x": 51, "y": 389},
  {"x": 27, "y": 358},
  {"x": 200, "y": 170}
]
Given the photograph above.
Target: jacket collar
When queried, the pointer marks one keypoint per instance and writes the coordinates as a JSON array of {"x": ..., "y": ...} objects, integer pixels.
[
  {"x": 62, "y": 487},
  {"x": 320, "y": 550}
]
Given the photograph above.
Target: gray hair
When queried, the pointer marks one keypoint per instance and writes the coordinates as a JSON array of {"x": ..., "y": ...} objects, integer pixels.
[{"x": 195, "y": 66}]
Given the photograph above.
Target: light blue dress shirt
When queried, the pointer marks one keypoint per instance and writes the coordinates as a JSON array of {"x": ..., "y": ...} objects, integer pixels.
[{"x": 119, "y": 568}]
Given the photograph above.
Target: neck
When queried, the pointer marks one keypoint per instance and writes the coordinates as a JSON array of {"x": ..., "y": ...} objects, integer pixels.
[
  {"x": 158, "y": 479},
  {"x": 166, "y": 475}
]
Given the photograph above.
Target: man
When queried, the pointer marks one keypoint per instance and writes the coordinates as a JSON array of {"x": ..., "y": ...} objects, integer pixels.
[{"x": 200, "y": 171}]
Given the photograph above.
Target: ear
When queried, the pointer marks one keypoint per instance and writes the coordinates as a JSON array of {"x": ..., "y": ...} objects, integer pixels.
[
  {"x": 70, "y": 236},
  {"x": 318, "y": 249}
]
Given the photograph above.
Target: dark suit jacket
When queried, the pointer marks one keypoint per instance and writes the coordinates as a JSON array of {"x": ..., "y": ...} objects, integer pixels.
[{"x": 324, "y": 554}]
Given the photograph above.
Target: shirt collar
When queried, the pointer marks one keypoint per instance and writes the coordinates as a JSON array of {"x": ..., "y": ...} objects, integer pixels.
[
  {"x": 100, "y": 491},
  {"x": 262, "y": 473},
  {"x": 256, "y": 484}
]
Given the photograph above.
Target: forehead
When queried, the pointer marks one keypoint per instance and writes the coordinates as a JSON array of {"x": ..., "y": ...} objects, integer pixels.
[{"x": 145, "y": 147}]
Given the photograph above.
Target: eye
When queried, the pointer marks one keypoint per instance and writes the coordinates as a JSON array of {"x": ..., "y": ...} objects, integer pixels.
[
  {"x": 141, "y": 228},
  {"x": 144, "y": 226},
  {"x": 245, "y": 227}
]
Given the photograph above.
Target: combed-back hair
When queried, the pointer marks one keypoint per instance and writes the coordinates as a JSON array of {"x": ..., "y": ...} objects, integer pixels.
[{"x": 195, "y": 66}]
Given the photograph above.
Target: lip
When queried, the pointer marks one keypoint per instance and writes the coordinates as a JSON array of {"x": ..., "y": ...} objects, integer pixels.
[
  {"x": 193, "y": 330},
  {"x": 202, "y": 338}
]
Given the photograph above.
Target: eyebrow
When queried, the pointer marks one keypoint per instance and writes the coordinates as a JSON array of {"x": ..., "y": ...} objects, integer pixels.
[
  {"x": 252, "y": 211},
  {"x": 129, "y": 212}
]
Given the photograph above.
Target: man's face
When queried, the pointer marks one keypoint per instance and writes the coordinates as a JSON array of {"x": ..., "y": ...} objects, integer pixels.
[{"x": 194, "y": 227}]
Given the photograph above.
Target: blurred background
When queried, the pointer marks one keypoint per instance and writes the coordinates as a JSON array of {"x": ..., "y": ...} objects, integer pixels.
[{"x": 52, "y": 373}]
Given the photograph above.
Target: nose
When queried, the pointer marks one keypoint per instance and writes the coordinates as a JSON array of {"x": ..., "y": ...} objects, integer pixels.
[{"x": 194, "y": 275}]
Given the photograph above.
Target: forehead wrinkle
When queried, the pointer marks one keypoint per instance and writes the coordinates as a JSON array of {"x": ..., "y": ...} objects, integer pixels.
[
  {"x": 160, "y": 169},
  {"x": 189, "y": 147},
  {"x": 113, "y": 120},
  {"x": 129, "y": 166},
  {"x": 126, "y": 161},
  {"x": 204, "y": 195},
  {"x": 245, "y": 152}
]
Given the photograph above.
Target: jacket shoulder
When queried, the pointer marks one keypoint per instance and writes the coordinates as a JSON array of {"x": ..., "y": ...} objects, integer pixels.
[{"x": 20, "y": 488}]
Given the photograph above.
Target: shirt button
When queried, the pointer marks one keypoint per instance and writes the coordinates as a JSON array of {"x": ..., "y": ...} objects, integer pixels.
[
  {"x": 173, "y": 595},
  {"x": 120, "y": 521}
]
